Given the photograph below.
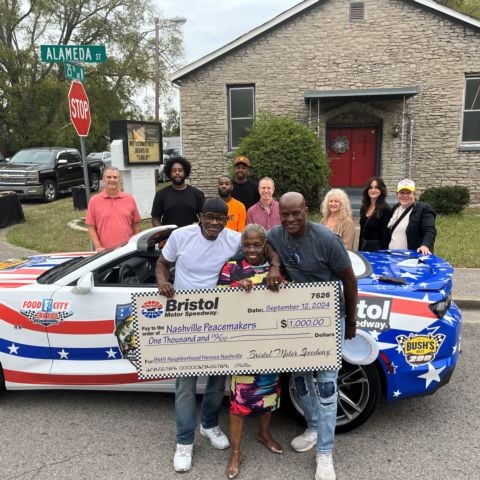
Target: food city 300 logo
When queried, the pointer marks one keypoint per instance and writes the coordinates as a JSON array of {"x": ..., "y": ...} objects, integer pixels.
[
  {"x": 46, "y": 311},
  {"x": 420, "y": 349}
]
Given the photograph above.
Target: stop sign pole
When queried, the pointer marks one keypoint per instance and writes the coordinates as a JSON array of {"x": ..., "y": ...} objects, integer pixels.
[{"x": 81, "y": 118}]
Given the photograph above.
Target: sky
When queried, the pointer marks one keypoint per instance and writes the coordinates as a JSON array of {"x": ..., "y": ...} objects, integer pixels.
[{"x": 213, "y": 23}]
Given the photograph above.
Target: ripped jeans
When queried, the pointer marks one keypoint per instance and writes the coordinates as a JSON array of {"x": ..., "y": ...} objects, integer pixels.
[{"x": 319, "y": 402}]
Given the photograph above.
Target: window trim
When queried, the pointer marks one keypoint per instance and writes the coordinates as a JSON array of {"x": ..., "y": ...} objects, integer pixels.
[
  {"x": 475, "y": 144},
  {"x": 230, "y": 89}
]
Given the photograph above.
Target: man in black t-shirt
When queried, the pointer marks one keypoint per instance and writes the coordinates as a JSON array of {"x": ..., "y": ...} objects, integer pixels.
[
  {"x": 244, "y": 189},
  {"x": 178, "y": 204}
]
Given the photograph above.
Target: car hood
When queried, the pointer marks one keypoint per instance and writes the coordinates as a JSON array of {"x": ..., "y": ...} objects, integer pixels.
[
  {"x": 22, "y": 166},
  {"x": 406, "y": 271},
  {"x": 25, "y": 271}
]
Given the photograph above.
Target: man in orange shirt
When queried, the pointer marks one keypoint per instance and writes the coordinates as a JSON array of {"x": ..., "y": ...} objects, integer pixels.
[{"x": 237, "y": 214}]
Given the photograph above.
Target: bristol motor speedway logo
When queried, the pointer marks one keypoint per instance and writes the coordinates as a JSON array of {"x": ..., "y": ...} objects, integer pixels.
[
  {"x": 46, "y": 311},
  {"x": 373, "y": 313},
  {"x": 152, "y": 309}
]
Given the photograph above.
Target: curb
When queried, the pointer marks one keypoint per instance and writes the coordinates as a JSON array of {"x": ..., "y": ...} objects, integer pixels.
[{"x": 467, "y": 303}]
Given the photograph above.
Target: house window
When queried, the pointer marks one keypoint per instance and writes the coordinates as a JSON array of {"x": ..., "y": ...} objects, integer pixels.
[
  {"x": 471, "y": 111},
  {"x": 241, "y": 111},
  {"x": 357, "y": 11}
]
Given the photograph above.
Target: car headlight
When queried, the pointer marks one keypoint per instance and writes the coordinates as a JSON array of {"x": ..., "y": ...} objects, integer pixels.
[
  {"x": 441, "y": 307},
  {"x": 32, "y": 177}
]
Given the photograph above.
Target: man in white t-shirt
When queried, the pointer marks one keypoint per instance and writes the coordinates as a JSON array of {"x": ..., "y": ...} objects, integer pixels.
[{"x": 199, "y": 252}]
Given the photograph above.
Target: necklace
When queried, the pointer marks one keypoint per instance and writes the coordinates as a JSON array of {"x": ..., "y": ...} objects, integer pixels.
[{"x": 292, "y": 247}]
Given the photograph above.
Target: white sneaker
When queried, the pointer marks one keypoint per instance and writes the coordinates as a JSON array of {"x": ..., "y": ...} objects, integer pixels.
[
  {"x": 182, "y": 461},
  {"x": 304, "y": 442},
  {"x": 217, "y": 438},
  {"x": 325, "y": 470}
]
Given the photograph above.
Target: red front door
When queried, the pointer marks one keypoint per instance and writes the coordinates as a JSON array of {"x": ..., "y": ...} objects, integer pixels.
[{"x": 352, "y": 153}]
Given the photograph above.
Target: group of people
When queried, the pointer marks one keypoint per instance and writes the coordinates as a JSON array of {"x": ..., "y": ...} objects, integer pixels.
[
  {"x": 410, "y": 224},
  {"x": 244, "y": 237}
]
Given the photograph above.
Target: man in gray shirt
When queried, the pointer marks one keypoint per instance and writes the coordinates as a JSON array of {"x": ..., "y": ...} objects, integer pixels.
[{"x": 312, "y": 253}]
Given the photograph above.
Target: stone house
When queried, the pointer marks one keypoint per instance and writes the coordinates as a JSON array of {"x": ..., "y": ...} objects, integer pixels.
[{"x": 392, "y": 87}]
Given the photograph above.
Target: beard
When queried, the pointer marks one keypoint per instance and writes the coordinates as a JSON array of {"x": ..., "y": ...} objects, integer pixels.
[{"x": 223, "y": 194}]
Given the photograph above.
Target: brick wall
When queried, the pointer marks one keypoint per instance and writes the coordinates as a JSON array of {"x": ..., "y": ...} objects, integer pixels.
[{"x": 398, "y": 45}]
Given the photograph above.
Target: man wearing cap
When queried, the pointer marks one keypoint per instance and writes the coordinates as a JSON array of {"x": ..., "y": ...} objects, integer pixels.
[
  {"x": 412, "y": 223},
  {"x": 312, "y": 253},
  {"x": 237, "y": 214},
  {"x": 199, "y": 252},
  {"x": 244, "y": 189}
]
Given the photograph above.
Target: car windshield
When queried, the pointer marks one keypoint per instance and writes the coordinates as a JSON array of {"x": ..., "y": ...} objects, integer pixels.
[
  {"x": 59, "y": 271},
  {"x": 95, "y": 155},
  {"x": 37, "y": 157}
]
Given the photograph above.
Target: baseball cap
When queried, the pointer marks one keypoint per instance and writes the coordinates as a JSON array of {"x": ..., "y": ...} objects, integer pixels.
[
  {"x": 362, "y": 349},
  {"x": 406, "y": 184},
  {"x": 215, "y": 205},
  {"x": 241, "y": 159}
]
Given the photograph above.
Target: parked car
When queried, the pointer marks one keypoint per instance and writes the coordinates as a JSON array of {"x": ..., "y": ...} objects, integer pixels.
[
  {"x": 2, "y": 158},
  {"x": 66, "y": 318},
  {"x": 44, "y": 172},
  {"x": 105, "y": 157}
]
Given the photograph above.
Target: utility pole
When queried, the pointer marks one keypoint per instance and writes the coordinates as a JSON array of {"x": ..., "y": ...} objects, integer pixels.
[
  {"x": 174, "y": 20},
  {"x": 157, "y": 69}
]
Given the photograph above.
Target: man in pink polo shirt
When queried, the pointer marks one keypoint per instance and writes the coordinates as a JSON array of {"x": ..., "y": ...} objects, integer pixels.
[
  {"x": 112, "y": 215},
  {"x": 266, "y": 211}
]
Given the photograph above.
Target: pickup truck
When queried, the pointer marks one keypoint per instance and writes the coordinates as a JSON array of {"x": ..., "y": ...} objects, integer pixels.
[{"x": 44, "y": 172}]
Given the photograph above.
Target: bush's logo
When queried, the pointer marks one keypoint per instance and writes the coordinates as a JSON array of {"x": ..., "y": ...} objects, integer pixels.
[
  {"x": 420, "y": 349},
  {"x": 152, "y": 309}
]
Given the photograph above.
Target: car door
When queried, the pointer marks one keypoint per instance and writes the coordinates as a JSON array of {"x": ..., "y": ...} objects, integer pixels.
[
  {"x": 25, "y": 317},
  {"x": 95, "y": 346},
  {"x": 70, "y": 170}
]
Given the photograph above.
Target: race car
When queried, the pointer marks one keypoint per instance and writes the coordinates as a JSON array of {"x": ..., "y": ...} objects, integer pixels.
[{"x": 66, "y": 322}]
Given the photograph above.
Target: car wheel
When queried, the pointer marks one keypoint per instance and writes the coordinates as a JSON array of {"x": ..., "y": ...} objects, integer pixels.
[
  {"x": 359, "y": 389},
  {"x": 94, "y": 182},
  {"x": 49, "y": 191}
]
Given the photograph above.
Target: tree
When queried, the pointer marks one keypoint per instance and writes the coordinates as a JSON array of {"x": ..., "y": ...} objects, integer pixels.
[
  {"x": 171, "y": 126},
  {"x": 289, "y": 152},
  {"x": 33, "y": 95}
]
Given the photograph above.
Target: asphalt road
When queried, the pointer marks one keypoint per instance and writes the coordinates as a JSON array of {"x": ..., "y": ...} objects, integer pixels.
[{"x": 108, "y": 435}]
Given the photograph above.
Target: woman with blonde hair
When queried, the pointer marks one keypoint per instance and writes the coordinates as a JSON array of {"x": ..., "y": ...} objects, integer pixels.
[{"x": 337, "y": 216}]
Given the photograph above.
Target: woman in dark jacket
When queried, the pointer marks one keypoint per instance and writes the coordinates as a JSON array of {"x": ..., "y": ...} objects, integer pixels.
[
  {"x": 412, "y": 224},
  {"x": 374, "y": 216}
]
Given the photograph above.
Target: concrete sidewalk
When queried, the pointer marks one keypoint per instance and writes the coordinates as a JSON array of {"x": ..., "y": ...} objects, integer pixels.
[{"x": 466, "y": 281}]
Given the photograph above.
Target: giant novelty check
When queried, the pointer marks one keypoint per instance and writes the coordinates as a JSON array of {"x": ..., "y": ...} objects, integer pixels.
[{"x": 228, "y": 331}]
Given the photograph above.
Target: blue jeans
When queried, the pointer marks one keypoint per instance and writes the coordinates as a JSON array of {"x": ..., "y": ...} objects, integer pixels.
[
  {"x": 185, "y": 406},
  {"x": 319, "y": 402}
]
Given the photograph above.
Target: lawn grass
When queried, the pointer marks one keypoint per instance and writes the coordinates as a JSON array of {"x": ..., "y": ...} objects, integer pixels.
[{"x": 46, "y": 230}]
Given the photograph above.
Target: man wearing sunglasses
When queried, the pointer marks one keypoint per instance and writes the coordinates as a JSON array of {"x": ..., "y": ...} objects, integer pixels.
[
  {"x": 312, "y": 253},
  {"x": 198, "y": 253}
]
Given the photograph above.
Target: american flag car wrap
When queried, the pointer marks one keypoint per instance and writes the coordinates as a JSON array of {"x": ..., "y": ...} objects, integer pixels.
[
  {"x": 59, "y": 343},
  {"x": 54, "y": 337},
  {"x": 418, "y": 350}
]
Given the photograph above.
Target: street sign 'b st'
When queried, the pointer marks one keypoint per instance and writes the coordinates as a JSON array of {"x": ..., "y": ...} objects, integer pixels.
[{"x": 79, "y": 109}]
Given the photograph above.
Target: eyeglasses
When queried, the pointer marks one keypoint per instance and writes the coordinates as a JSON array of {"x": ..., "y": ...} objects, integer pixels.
[{"x": 210, "y": 217}]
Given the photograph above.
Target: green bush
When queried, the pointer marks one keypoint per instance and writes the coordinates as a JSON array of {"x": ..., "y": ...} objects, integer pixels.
[
  {"x": 446, "y": 200},
  {"x": 289, "y": 152}
]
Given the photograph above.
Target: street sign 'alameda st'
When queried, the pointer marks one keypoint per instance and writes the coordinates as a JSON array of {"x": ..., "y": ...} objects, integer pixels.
[
  {"x": 79, "y": 109},
  {"x": 73, "y": 53}
]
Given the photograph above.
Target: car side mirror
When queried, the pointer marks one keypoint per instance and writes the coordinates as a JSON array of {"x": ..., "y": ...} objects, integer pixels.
[
  {"x": 62, "y": 161},
  {"x": 84, "y": 284}
]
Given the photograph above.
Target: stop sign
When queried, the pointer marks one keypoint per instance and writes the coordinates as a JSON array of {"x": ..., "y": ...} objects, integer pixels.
[{"x": 79, "y": 109}]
